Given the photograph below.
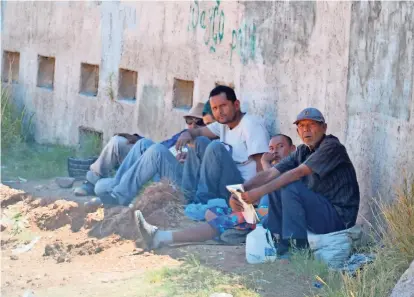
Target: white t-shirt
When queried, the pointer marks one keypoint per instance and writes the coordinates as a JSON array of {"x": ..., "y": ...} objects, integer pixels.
[{"x": 248, "y": 138}]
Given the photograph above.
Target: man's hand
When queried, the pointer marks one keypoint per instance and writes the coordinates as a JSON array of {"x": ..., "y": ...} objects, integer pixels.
[
  {"x": 268, "y": 157},
  {"x": 181, "y": 157},
  {"x": 235, "y": 204},
  {"x": 251, "y": 197},
  {"x": 183, "y": 140},
  {"x": 132, "y": 139}
]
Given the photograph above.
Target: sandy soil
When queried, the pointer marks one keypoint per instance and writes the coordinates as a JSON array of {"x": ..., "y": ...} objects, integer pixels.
[{"x": 67, "y": 261}]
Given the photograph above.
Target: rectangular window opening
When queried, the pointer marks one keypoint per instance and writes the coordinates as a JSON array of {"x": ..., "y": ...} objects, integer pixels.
[
  {"x": 89, "y": 81},
  {"x": 183, "y": 93},
  {"x": 46, "y": 72}
]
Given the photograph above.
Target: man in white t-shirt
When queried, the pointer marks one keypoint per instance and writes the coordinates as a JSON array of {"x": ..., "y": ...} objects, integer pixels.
[
  {"x": 234, "y": 159},
  {"x": 209, "y": 165}
]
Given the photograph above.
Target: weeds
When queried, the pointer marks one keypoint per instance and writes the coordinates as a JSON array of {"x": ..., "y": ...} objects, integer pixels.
[
  {"x": 15, "y": 125},
  {"x": 394, "y": 252},
  {"x": 195, "y": 279}
]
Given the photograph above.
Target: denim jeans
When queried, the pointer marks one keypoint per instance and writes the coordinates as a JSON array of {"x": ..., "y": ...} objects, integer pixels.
[
  {"x": 208, "y": 168},
  {"x": 294, "y": 209},
  {"x": 112, "y": 155}
]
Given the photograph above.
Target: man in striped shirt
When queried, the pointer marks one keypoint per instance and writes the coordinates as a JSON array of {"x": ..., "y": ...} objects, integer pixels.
[{"x": 315, "y": 188}]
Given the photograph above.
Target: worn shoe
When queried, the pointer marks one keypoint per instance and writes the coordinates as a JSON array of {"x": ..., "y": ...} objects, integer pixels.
[
  {"x": 86, "y": 189},
  {"x": 147, "y": 230},
  {"x": 93, "y": 204}
]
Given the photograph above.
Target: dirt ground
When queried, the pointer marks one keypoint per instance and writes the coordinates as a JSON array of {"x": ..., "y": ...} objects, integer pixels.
[{"x": 67, "y": 261}]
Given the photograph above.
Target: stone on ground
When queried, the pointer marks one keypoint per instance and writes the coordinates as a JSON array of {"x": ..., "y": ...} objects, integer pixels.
[
  {"x": 405, "y": 286},
  {"x": 65, "y": 182}
]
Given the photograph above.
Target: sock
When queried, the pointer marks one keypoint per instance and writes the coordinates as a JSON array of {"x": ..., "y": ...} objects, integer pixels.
[{"x": 161, "y": 237}]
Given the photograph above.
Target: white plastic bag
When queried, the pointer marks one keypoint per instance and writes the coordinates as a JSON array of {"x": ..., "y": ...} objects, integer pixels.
[
  {"x": 259, "y": 246},
  {"x": 334, "y": 248}
]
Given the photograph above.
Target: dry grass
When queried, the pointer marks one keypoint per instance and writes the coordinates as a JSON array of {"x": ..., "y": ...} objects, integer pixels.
[
  {"x": 394, "y": 252},
  {"x": 162, "y": 204}
]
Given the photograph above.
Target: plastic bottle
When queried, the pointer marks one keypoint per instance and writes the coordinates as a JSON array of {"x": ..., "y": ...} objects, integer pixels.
[{"x": 259, "y": 246}]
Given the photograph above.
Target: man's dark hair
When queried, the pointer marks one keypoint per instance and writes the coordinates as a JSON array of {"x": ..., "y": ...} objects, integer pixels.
[
  {"x": 288, "y": 139},
  {"x": 230, "y": 94}
]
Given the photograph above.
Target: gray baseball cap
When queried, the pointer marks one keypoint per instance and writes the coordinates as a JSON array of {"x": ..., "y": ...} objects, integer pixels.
[{"x": 310, "y": 113}]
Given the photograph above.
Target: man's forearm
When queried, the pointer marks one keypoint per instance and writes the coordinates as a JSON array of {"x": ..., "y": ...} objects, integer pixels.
[
  {"x": 283, "y": 180},
  {"x": 194, "y": 132},
  {"x": 261, "y": 178}
]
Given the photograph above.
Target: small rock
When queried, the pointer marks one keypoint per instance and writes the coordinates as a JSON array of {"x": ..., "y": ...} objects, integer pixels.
[
  {"x": 405, "y": 286},
  {"x": 65, "y": 182},
  {"x": 14, "y": 257},
  {"x": 3, "y": 227},
  {"x": 60, "y": 259}
]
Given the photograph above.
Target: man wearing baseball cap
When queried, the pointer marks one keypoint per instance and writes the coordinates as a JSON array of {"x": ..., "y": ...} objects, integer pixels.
[
  {"x": 118, "y": 148},
  {"x": 315, "y": 188}
]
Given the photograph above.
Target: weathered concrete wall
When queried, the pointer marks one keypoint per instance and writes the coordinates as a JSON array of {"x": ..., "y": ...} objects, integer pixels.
[{"x": 354, "y": 61}]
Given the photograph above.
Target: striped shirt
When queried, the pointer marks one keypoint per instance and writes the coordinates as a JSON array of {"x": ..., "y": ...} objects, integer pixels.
[{"x": 333, "y": 175}]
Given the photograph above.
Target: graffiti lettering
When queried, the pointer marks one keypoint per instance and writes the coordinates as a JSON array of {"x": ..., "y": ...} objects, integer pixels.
[
  {"x": 212, "y": 21},
  {"x": 214, "y": 25},
  {"x": 244, "y": 41}
]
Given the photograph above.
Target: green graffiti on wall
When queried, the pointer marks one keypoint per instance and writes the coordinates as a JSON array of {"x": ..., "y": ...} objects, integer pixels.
[
  {"x": 212, "y": 22},
  {"x": 243, "y": 40}
]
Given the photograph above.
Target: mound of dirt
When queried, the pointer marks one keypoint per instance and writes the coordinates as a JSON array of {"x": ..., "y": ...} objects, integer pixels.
[
  {"x": 58, "y": 214},
  {"x": 64, "y": 252},
  {"x": 117, "y": 220},
  {"x": 9, "y": 196},
  {"x": 161, "y": 204}
]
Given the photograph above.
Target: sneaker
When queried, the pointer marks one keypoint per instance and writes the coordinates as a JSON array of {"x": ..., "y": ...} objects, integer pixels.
[
  {"x": 148, "y": 231},
  {"x": 93, "y": 204},
  {"x": 86, "y": 189}
]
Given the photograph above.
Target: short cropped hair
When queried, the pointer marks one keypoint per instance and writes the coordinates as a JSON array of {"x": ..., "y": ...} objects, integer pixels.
[
  {"x": 230, "y": 94},
  {"x": 288, "y": 139}
]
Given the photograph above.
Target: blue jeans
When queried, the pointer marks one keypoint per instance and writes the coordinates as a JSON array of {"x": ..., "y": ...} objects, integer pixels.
[
  {"x": 294, "y": 209},
  {"x": 206, "y": 171}
]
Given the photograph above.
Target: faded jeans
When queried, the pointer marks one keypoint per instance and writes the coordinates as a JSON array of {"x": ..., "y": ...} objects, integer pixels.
[
  {"x": 207, "y": 170},
  {"x": 295, "y": 208},
  {"x": 112, "y": 155}
]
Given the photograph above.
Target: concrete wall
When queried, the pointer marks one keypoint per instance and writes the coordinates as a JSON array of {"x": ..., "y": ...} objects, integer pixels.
[{"x": 354, "y": 61}]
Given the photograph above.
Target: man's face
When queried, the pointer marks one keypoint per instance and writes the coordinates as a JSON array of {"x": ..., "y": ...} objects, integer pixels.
[
  {"x": 311, "y": 132},
  {"x": 208, "y": 119},
  {"x": 193, "y": 122},
  {"x": 279, "y": 146},
  {"x": 224, "y": 110}
]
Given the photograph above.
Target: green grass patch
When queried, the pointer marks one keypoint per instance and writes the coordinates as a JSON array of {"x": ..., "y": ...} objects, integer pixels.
[
  {"x": 34, "y": 161},
  {"x": 196, "y": 280},
  {"x": 394, "y": 251},
  {"x": 21, "y": 157}
]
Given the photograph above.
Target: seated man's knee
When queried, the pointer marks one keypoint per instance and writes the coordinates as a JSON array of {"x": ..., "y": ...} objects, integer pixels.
[
  {"x": 104, "y": 186},
  {"x": 118, "y": 140},
  {"x": 215, "y": 147},
  {"x": 156, "y": 149},
  {"x": 202, "y": 141},
  {"x": 290, "y": 188}
]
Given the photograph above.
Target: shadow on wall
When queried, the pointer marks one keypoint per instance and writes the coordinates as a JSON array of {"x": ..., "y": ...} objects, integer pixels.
[{"x": 150, "y": 107}]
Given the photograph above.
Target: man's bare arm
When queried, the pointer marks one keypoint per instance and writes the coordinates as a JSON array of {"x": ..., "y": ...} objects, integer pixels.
[
  {"x": 261, "y": 179},
  {"x": 283, "y": 180},
  {"x": 191, "y": 134},
  {"x": 257, "y": 158},
  {"x": 202, "y": 131}
]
